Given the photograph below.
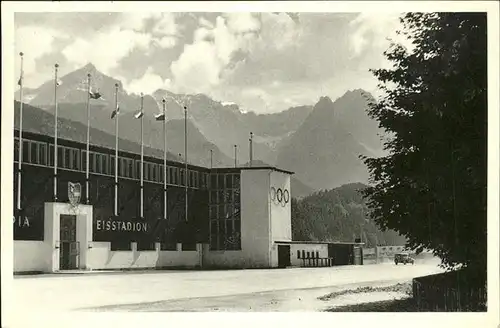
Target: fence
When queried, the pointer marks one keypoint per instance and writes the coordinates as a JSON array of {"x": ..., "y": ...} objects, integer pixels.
[
  {"x": 317, "y": 262},
  {"x": 450, "y": 292}
]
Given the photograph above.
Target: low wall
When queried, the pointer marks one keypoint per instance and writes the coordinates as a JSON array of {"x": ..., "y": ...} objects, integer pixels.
[
  {"x": 299, "y": 251},
  {"x": 29, "y": 256},
  {"x": 100, "y": 256}
]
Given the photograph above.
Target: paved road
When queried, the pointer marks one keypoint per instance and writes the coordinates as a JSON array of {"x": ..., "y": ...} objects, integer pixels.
[{"x": 190, "y": 290}]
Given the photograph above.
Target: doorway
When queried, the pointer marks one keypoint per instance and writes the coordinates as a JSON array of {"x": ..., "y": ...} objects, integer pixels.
[
  {"x": 69, "y": 248},
  {"x": 283, "y": 256}
]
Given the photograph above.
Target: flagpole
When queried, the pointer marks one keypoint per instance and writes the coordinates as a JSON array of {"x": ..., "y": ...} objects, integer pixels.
[
  {"x": 55, "y": 133},
  {"x": 87, "y": 164},
  {"x": 211, "y": 158},
  {"x": 235, "y": 156},
  {"x": 142, "y": 157},
  {"x": 186, "y": 160},
  {"x": 164, "y": 160},
  {"x": 116, "y": 150},
  {"x": 20, "y": 157},
  {"x": 251, "y": 149}
]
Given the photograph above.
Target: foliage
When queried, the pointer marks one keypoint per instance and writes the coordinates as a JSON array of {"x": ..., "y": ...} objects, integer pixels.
[
  {"x": 431, "y": 187},
  {"x": 338, "y": 215}
]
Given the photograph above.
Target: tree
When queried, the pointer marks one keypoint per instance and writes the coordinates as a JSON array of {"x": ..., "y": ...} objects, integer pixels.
[{"x": 431, "y": 188}]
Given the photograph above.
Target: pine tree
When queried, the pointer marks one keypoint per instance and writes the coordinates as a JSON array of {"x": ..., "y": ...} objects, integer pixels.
[{"x": 431, "y": 188}]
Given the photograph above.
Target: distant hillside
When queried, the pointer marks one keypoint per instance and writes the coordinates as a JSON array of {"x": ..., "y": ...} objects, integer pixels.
[
  {"x": 338, "y": 215},
  {"x": 324, "y": 151}
]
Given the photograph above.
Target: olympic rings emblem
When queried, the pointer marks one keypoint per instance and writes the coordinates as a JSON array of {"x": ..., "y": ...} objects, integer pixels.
[{"x": 280, "y": 196}]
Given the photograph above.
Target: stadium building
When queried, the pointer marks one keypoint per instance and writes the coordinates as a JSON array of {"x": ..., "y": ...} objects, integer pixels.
[{"x": 236, "y": 217}]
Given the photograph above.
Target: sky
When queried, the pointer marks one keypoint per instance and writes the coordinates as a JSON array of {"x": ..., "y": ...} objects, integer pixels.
[{"x": 264, "y": 62}]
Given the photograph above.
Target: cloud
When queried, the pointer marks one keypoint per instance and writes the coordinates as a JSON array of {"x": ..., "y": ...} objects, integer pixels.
[
  {"x": 106, "y": 49},
  {"x": 35, "y": 42},
  {"x": 201, "y": 64},
  {"x": 148, "y": 83},
  {"x": 242, "y": 22}
]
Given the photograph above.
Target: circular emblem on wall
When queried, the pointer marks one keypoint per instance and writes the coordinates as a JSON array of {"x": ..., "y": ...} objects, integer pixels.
[
  {"x": 279, "y": 195},
  {"x": 273, "y": 193},
  {"x": 286, "y": 196}
]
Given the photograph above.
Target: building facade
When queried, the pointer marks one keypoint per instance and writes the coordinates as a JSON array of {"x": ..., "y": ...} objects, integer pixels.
[{"x": 235, "y": 216}]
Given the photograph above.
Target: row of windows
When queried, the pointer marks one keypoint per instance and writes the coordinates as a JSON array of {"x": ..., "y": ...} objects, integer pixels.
[
  {"x": 147, "y": 246},
  {"x": 35, "y": 152},
  {"x": 220, "y": 212},
  {"x": 224, "y": 181},
  {"x": 225, "y": 235},
  {"x": 308, "y": 255},
  {"x": 227, "y": 196}
]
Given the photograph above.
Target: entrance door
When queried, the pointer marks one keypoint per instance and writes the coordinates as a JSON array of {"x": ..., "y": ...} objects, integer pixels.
[
  {"x": 283, "y": 256},
  {"x": 69, "y": 247}
]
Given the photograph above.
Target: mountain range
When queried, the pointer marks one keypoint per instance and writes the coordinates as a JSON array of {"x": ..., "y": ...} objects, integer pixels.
[{"x": 320, "y": 143}]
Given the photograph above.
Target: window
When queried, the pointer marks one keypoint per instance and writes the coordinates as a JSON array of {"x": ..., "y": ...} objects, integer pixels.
[
  {"x": 154, "y": 174},
  {"x": 160, "y": 173},
  {"x": 67, "y": 158},
  {"x": 303, "y": 254},
  {"x": 105, "y": 168},
  {"x": 236, "y": 182},
  {"x": 236, "y": 196},
  {"x": 34, "y": 153},
  {"x": 60, "y": 156},
  {"x": 170, "y": 175},
  {"x": 181, "y": 177},
  {"x": 112, "y": 165},
  {"x": 84, "y": 160},
  {"x": 213, "y": 181},
  {"x": 97, "y": 163},
  {"x": 229, "y": 181},
  {"x": 220, "y": 182},
  {"x": 92, "y": 167},
  {"x": 213, "y": 197},
  {"x": 26, "y": 151},
  {"x": 51, "y": 155},
  {"x": 75, "y": 158},
  {"x": 317, "y": 254},
  {"x": 308, "y": 255},
  {"x": 138, "y": 169},
  {"x": 130, "y": 168},
  {"x": 121, "y": 246},
  {"x": 42, "y": 154},
  {"x": 16, "y": 149},
  {"x": 188, "y": 246},
  {"x": 213, "y": 213},
  {"x": 298, "y": 254},
  {"x": 146, "y": 246},
  {"x": 175, "y": 175}
]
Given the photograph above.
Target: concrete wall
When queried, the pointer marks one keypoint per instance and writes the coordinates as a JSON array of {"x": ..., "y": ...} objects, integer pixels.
[
  {"x": 280, "y": 217},
  {"x": 322, "y": 249},
  {"x": 101, "y": 257},
  {"x": 255, "y": 225},
  {"x": 29, "y": 256}
]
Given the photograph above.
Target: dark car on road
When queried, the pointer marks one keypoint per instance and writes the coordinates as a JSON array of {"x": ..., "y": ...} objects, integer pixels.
[{"x": 403, "y": 258}]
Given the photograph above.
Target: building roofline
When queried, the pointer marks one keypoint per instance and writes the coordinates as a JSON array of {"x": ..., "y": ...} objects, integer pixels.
[
  {"x": 149, "y": 156},
  {"x": 247, "y": 168},
  {"x": 317, "y": 242}
]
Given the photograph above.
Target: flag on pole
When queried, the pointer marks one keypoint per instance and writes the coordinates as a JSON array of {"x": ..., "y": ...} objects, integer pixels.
[
  {"x": 115, "y": 112},
  {"x": 139, "y": 114},
  {"x": 160, "y": 117},
  {"x": 94, "y": 94},
  {"x": 20, "y": 82}
]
